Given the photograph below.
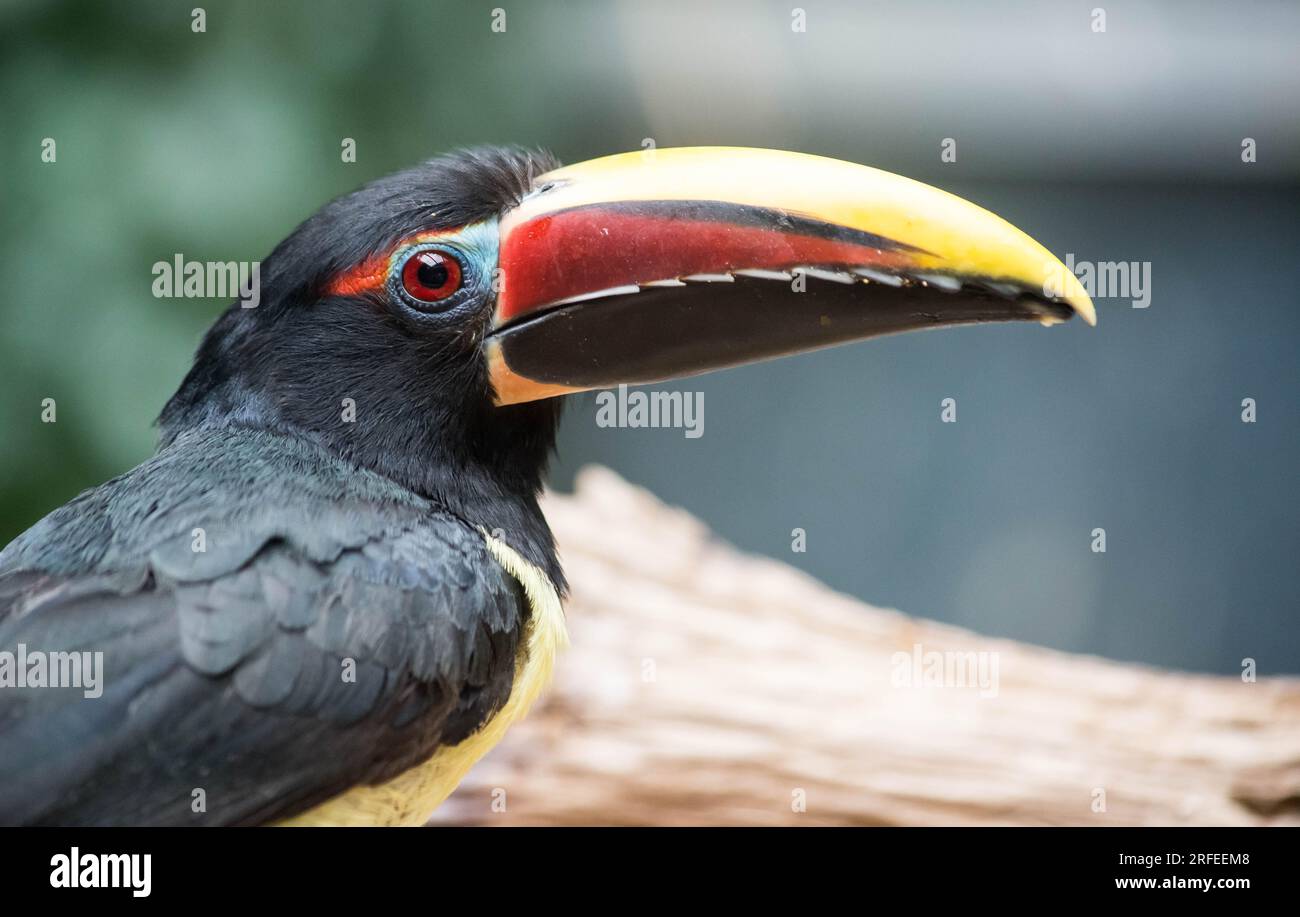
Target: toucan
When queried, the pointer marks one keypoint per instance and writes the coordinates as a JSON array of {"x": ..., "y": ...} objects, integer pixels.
[{"x": 331, "y": 589}]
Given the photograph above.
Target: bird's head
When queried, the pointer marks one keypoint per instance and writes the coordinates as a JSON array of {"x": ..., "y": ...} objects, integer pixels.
[{"x": 423, "y": 325}]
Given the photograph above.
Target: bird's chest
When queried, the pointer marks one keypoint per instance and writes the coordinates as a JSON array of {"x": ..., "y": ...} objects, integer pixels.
[{"x": 412, "y": 796}]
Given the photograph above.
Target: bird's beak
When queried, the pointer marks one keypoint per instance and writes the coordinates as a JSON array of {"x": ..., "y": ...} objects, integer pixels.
[{"x": 664, "y": 263}]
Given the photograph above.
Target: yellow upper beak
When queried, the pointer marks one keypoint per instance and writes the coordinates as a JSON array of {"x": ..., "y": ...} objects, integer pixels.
[{"x": 955, "y": 236}]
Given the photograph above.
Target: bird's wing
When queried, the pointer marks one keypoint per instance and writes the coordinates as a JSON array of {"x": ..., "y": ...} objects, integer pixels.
[{"x": 245, "y": 682}]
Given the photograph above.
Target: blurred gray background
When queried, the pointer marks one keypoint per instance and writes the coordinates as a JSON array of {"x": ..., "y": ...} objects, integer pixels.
[{"x": 1119, "y": 145}]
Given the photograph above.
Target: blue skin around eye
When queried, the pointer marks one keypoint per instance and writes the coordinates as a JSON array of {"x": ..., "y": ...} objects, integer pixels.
[{"x": 475, "y": 247}]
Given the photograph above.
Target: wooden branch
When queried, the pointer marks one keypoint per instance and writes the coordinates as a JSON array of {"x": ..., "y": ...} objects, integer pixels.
[{"x": 704, "y": 686}]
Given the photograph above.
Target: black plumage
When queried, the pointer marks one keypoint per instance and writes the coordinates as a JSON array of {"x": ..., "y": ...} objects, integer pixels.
[{"x": 324, "y": 542}]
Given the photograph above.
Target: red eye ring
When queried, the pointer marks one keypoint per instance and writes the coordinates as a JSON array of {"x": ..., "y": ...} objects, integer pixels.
[{"x": 431, "y": 276}]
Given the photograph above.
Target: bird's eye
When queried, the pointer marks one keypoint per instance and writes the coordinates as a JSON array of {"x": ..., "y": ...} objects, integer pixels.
[{"x": 431, "y": 276}]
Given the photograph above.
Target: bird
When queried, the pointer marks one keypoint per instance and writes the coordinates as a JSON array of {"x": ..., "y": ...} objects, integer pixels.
[{"x": 331, "y": 589}]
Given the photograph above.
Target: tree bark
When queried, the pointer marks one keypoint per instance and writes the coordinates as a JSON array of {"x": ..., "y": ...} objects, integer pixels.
[{"x": 707, "y": 687}]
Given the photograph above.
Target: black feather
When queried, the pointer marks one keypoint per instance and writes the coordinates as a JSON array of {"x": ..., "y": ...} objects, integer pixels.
[{"x": 227, "y": 675}]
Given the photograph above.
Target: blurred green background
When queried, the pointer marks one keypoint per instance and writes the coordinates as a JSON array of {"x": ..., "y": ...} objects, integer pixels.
[{"x": 1115, "y": 145}]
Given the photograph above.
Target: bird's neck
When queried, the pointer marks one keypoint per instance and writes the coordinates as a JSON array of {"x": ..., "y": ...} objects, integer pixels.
[{"x": 485, "y": 465}]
